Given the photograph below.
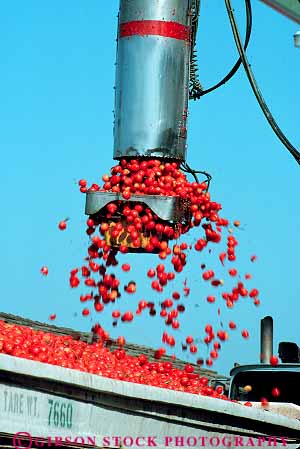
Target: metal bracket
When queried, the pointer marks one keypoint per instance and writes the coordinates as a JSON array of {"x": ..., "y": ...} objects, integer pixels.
[{"x": 169, "y": 208}]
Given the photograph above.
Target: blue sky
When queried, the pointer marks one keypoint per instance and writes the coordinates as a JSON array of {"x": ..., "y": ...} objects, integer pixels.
[{"x": 56, "y": 91}]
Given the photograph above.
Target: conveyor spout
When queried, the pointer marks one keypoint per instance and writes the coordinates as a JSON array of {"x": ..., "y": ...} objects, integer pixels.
[{"x": 151, "y": 95}]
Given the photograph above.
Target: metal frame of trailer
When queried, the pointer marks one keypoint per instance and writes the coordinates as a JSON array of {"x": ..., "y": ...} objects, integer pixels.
[
  {"x": 49, "y": 402},
  {"x": 55, "y": 406}
]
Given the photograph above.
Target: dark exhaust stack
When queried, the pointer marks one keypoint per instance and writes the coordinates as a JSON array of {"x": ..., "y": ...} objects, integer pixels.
[{"x": 266, "y": 339}]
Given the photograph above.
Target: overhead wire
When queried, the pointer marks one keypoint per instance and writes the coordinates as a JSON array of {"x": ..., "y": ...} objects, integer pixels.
[
  {"x": 198, "y": 93},
  {"x": 294, "y": 152}
]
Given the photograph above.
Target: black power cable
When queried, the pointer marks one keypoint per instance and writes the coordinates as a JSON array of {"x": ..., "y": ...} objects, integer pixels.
[
  {"x": 295, "y": 153},
  {"x": 200, "y": 93},
  {"x": 187, "y": 169}
]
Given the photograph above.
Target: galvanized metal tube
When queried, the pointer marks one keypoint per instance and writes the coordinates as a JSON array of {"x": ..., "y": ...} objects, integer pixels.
[
  {"x": 266, "y": 342},
  {"x": 152, "y": 79}
]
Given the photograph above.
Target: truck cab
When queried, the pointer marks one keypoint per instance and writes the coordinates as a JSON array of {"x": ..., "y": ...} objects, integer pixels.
[
  {"x": 254, "y": 382},
  {"x": 275, "y": 388}
]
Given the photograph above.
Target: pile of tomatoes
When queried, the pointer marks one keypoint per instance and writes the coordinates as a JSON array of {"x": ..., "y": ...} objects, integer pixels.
[{"x": 64, "y": 351}]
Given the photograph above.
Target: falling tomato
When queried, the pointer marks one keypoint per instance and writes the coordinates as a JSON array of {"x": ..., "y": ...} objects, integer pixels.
[
  {"x": 126, "y": 267},
  {"x": 275, "y": 392},
  {"x": 44, "y": 271},
  {"x": 62, "y": 225},
  {"x": 274, "y": 360},
  {"x": 245, "y": 333}
]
